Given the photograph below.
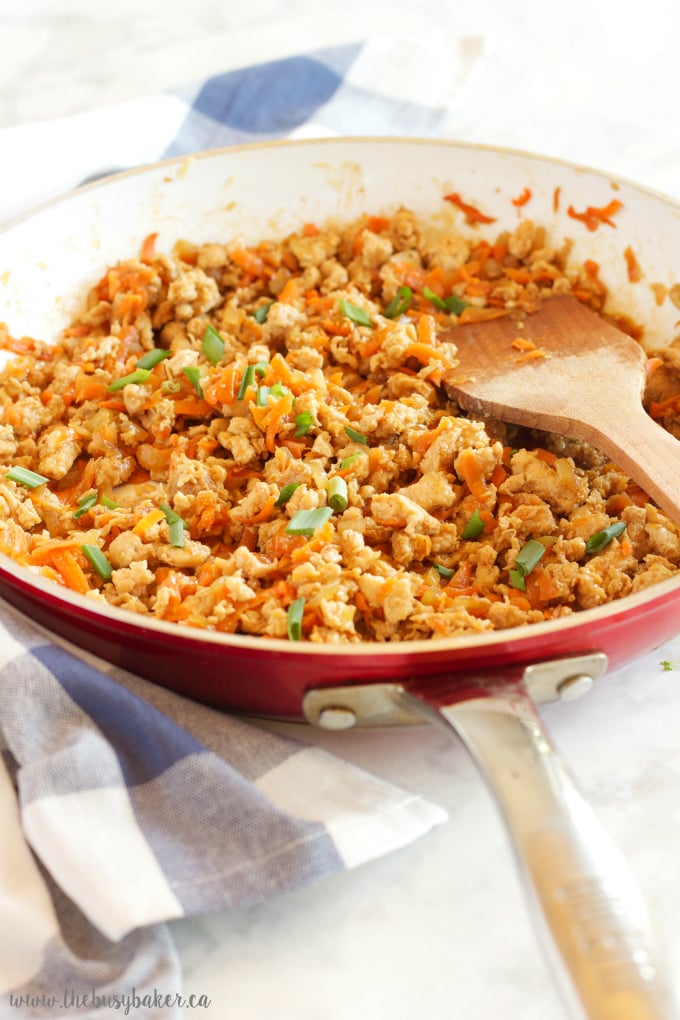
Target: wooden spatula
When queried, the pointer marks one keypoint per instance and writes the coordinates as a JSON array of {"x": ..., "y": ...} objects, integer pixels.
[{"x": 587, "y": 384}]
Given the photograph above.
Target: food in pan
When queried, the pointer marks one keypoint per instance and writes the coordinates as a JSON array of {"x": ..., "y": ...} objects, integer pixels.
[{"x": 257, "y": 439}]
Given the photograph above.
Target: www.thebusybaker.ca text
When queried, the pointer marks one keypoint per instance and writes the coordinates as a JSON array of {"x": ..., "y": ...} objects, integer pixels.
[{"x": 123, "y": 1001}]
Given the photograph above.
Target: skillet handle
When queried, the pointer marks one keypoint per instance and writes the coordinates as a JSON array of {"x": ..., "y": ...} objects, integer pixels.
[{"x": 578, "y": 884}]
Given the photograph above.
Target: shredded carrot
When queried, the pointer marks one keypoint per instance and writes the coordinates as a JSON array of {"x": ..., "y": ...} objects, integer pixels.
[
  {"x": 470, "y": 470},
  {"x": 632, "y": 265},
  {"x": 472, "y": 214},
  {"x": 289, "y": 292},
  {"x": 523, "y": 198},
  {"x": 529, "y": 356},
  {"x": 148, "y": 521},
  {"x": 71, "y": 572},
  {"x": 248, "y": 261},
  {"x": 556, "y": 199},
  {"x": 148, "y": 251},
  {"x": 593, "y": 216},
  {"x": 521, "y": 343},
  {"x": 193, "y": 408},
  {"x": 474, "y": 314},
  {"x": 310, "y": 230},
  {"x": 262, "y": 515}
]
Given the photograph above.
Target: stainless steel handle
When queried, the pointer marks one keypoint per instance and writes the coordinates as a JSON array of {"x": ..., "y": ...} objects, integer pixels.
[{"x": 579, "y": 886}]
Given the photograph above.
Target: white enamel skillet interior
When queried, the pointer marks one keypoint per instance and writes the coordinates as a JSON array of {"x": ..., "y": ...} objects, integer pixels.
[{"x": 605, "y": 961}]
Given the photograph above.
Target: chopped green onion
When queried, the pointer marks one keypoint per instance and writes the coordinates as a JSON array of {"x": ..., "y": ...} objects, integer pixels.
[
  {"x": 348, "y": 461},
  {"x": 337, "y": 493},
  {"x": 446, "y": 572},
  {"x": 153, "y": 358},
  {"x": 261, "y": 368},
  {"x": 399, "y": 303},
  {"x": 455, "y": 304},
  {"x": 303, "y": 423},
  {"x": 305, "y": 522},
  {"x": 246, "y": 381},
  {"x": 356, "y": 436},
  {"x": 286, "y": 492},
  {"x": 110, "y": 504},
  {"x": 260, "y": 314},
  {"x": 528, "y": 556},
  {"x": 450, "y": 304},
  {"x": 474, "y": 527},
  {"x": 278, "y": 391},
  {"x": 22, "y": 475},
  {"x": 176, "y": 525},
  {"x": 295, "y": 613},
  {"x": 212, "y": 346},
  {"x": 138, "y": 376},
  {"x": 355, "y": 313},
  {"x": 602, "y": 538},
  {"x": 171, "y": 386},
  {"x": 85, "y": 504},
  {"x": 261, "y": 396},
  {"x": 517, "y": 579},
  {"x": 193, "y": 374},
  {"x": 434, "y": 299},
  {"x": 98, "y": 561}
]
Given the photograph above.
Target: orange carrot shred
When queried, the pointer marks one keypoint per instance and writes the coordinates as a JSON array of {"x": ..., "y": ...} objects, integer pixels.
[{"x": 472, "y": 214}]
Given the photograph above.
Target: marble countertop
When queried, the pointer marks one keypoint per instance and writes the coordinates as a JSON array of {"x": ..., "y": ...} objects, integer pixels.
[{"x": 439, "y": 929}]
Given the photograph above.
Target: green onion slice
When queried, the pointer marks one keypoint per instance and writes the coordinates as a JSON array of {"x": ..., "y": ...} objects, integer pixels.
[
  {"x": 517, "y": 579},
  {"x": 434, "y": 299},
  {"x": 354, "y": 313},
  {"x": 98, "y": 561},
  {"x": 246, "y": 381},
  {"x": 176, "y": 525},
  {"x": 399, "y": 303},
  {"x": 337, "y": 493},
  {"x": 602, "y": 538},
  {"x": 356, "y": 436},
  {"x": 348, "y": 461},
  {"x": 153, "y": 358},
  {"x": 455, "y": 304},
  {"x": 261, "y": 368},
  {"x": 474, "y": 527},
  {"x": 305, "y": 522},
  {"x": 303, "y": 423},
  {"x": 278, "y": 391},
  {"x": 193, "y": 374},
  {"x": 295, "y": 613},
  {"x": 260, "y": 314},
  {"x": 446, "y": 572},
  {"x": 261, "y": 396},
  {"x": 286, "y": 492},
  {"x": 140, "y": 375},
  {"x": 450, "y": 304},
  {"x": 85, "y": 504},
  {"x": 212, "y": 346},
  {"x": 22, "y": 475},
  {"x": 171, "y": 386},
  {"x": 109, "y": 503},
  {"x": 528, "y": 556}
]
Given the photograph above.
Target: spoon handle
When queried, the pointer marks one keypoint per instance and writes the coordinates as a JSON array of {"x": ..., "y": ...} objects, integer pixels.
[{"x": 645, "y": 451}]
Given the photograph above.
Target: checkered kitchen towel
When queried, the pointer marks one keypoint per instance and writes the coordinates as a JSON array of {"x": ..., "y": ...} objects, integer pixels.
[{"x": 122, "y": 805}]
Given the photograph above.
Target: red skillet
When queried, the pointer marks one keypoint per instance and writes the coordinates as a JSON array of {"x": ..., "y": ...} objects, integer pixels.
[{"x": 483, "y": 687}]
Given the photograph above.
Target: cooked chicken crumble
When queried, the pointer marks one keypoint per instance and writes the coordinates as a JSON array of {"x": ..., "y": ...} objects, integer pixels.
[{"x": 258, "y": 440}]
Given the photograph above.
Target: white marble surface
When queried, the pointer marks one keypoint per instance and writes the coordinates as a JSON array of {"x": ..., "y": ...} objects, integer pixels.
[{"x": 440, "y": 929}]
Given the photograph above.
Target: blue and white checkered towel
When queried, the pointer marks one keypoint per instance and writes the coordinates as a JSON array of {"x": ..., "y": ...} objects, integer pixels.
[{"x": 122, "y": 805}]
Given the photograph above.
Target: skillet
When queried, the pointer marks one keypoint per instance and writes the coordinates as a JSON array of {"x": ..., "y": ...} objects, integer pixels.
[{"x": 485, "y": 687}]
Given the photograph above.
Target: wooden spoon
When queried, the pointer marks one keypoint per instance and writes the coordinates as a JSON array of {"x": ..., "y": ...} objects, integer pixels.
[{"x": 587, "y": 384}]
